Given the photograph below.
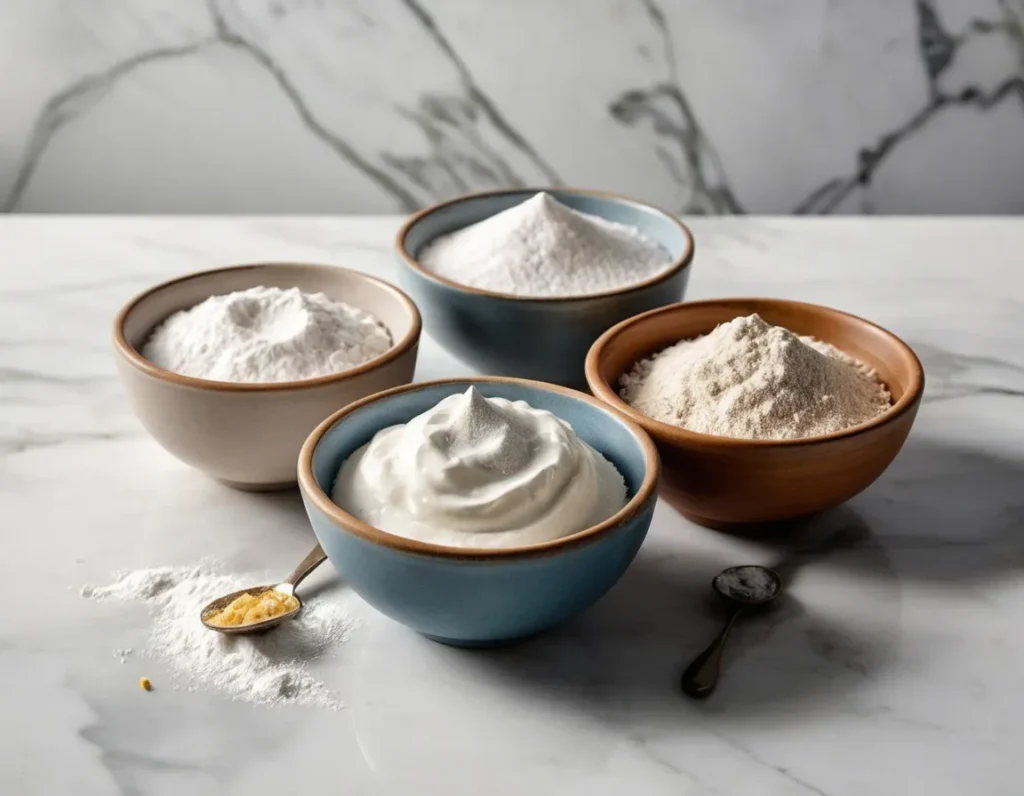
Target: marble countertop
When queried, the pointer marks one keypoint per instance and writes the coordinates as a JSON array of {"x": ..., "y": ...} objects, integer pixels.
[{"x": 893, "y": 666}]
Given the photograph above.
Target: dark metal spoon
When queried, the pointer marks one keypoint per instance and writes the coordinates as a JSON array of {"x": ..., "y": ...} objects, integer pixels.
[
  {"x": 315, "y": 558},
  {"x": 742, "y": 587}
]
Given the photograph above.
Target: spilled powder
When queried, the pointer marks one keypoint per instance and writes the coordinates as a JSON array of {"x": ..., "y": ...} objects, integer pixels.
[
  {"x": 268, "y": 669},
  {"x": 751, "y": 380}
]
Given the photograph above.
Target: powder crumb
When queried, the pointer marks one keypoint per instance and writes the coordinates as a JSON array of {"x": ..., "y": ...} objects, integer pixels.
[
  {"x": 270, "y": 669},
  {"x": 543, "y": 248},
  {"x": 266, "y": 334},
  {"x": 749, "y": 379}
]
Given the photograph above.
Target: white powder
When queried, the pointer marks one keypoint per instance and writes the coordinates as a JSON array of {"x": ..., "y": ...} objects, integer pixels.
[
  {"x": 268, "y": 669},
  {"x": 266, "y": 334},
  {"x": 543, "y": 248},
  {"x": 751, "y": 380}
]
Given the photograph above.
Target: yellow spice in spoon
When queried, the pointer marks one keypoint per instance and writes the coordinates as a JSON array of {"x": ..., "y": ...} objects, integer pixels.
[{"x": 247, "y": 609}]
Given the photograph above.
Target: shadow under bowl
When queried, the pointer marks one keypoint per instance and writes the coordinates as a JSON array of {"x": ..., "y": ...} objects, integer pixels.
[
  {"x": 479, "y": 597},
  {"x": 535, "y": 338},
  {"x": 722, "y": 482},
  {"x": 248, "y": 435}
]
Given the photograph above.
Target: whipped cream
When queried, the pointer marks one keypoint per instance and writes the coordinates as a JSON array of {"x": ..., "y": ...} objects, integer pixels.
[{"x": 480, "y": 472}]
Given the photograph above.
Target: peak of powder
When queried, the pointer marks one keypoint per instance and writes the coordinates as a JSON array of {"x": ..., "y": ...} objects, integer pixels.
[
  {"x": 541, "y": 247},
  {"x": 751, "y": 380},
  {"x": 480, "y": 428}
]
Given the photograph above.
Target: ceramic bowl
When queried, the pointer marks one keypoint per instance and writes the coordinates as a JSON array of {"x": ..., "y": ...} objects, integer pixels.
[
  {"x": 249, "y": 435},
  {"x": 477, "y": 597},
  {"x": 535, "y": 338},
  {"x": 724, "y": 482}
]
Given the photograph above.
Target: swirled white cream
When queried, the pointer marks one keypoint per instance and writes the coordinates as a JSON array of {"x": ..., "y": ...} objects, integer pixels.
[{"x": 480, "y": 472}]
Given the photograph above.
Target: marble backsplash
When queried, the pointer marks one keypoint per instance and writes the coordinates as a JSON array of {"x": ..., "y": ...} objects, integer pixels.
[{"x": 371, "y": 106}]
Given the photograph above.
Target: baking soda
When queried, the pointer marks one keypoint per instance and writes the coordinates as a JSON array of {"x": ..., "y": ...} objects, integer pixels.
[
  {"x": 266, "y": 334},
  {"x": 543, "y": 248}
]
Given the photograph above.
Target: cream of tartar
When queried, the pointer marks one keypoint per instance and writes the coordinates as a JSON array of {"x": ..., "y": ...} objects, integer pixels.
[{"x": 480, "y": 472}]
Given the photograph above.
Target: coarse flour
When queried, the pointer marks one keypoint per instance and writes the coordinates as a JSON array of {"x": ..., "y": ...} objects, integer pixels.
[
  {"x": 543, "y": 248},
  {"x": 270, "y": 668},
  {"x": 752, "y": 380},
  {"x": 266, "y": 334}
]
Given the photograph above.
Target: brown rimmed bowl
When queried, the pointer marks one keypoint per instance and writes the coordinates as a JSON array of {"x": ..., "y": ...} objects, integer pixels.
[
  {"x": 249, "y": 435},
  {"x": 535, "y": 338},
  {"x": 468, "y": 596},
  {"x": 722, "y": 482}
]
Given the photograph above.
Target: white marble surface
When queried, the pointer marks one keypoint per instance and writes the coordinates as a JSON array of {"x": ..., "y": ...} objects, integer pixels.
[
  {"x": 714, "y": 106},
  {"x": 894, "y": 665}
]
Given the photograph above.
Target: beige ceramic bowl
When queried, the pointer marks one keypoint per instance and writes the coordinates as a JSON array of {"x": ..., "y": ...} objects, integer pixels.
[{"x": 249, "y": 435}]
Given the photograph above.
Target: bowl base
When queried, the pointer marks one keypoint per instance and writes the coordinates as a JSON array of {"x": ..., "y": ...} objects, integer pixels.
[
  {"x": 714, "y": 525},
  {"x": 752, "y": 529},
  {"x": 479, "y": 645},
  {"x": 279, "y": 486}
]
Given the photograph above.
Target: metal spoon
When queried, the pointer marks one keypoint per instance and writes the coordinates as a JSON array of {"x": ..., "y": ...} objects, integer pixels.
[
  {"x": 287, "y": 586},
  {"x": 742, "y": 587}
]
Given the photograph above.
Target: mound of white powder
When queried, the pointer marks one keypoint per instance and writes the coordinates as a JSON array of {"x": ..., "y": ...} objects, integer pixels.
[
  {"x": 543, "y": 248},
  {"x": 752, "y": 380},
  {"x": 267, "y": 669},
  {"x": 266, "y": 334}
]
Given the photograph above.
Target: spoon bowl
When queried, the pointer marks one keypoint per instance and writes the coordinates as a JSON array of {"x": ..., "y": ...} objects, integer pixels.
[
  {"x": 747, "y": 585},
  {"x": 214, "y": 607},
  {"x": 315, "y": 558}
]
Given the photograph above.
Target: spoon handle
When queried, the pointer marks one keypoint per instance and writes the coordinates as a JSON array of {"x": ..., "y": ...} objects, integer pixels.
[
  {"x": 701, "y": 676},
  {"x": 309, "y": 563}
]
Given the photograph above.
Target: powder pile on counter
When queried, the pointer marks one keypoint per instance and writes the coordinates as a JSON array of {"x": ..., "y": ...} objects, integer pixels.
[
  {"x": 266, "y": 334},
  {"x": 543, "y": 248},
  {"x": 752, "y": 380},
  {"x": 266, "y": 669}
]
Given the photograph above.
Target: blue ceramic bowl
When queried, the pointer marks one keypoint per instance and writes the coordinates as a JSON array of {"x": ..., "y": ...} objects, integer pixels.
[
  {"x": 476, "y": 597},
  {"x": 536, "y": 338}
]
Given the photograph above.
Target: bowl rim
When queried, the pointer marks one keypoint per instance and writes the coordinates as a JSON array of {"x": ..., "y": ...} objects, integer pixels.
[
  {"x": 351, "y": 524},
  {"x": 398, "y": 348},
  {"x": 676, "y": 266},
  {"x": 674, "y": 434}
]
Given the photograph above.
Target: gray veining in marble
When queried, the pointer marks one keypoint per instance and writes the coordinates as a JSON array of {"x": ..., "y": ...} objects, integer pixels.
[
  {"x": 700, "y": 106},
  {"x": 892, "y": 666}
]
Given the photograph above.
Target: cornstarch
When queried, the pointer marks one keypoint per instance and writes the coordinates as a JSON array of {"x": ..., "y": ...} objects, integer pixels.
[
  {"x": 266, "y": 669},
  {"x": 266, "y": 334},
  {"x": 751, "y": 380},
  {"x": 543, "y": 248}
]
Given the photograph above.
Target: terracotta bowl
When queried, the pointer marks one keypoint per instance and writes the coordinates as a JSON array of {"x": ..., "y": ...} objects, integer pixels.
[
  {"x": 722, "y": 482},
  {"x": 249, "y": 435}
]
